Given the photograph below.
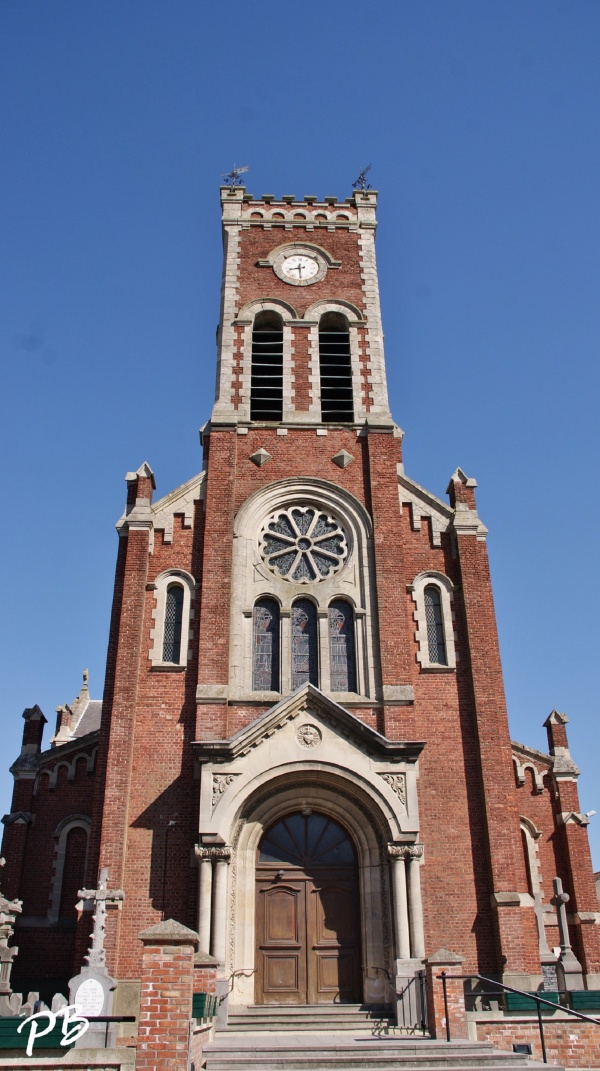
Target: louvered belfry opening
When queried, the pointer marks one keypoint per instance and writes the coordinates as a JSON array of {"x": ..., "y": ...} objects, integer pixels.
[
  {"x": 336, "y": 369},
  {"x": 266, "y": 390}
]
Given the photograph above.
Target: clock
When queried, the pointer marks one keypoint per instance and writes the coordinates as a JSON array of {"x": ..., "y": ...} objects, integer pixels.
[
  {"x": 300, "y": 268},
  {"x": 297, "y": 264}
]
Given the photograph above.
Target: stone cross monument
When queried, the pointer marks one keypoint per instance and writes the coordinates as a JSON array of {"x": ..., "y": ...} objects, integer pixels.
[
  {"x": 568, "y": 968},
  {"x": 92, "y": 989}
]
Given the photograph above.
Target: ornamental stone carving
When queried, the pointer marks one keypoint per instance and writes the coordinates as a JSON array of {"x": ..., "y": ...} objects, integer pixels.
[
  {"x": 213, "y": 853},
  {"x": 308, "y": 735},
  {"x": 220, "y": 782},
  {"x": 405, "y": 851},
  {"x": 397, "y": 783}
]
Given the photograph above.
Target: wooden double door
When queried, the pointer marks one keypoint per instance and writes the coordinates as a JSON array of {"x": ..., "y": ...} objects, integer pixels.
[{"x": 308, "y": 920}]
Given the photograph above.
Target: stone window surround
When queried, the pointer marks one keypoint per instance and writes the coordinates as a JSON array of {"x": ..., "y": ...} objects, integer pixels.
[
  {"x": 252, "y": 581},
  {"x": 310, "y": 320},
  {"x": 285, "y": 638},
  {"x": 160, "y": 585},
  {"x": 445, "y": 588},
  {"x": 73, "y": 821}
]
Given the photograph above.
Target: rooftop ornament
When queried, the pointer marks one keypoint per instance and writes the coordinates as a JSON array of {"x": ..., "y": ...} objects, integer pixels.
[
  {"x": 361, "y": 182},
  {"x": 232, "y": 178}
]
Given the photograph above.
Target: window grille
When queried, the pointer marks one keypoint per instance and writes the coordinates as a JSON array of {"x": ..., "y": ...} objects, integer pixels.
[
  {"x": 265, "y": 654},
  {"x": 435, "y": 627},
  {"x": 266, "y": 388},
  {"x": 341, "y": 647},
  {"x": 335, "y": 369},
  {"x": 305, "y": 667},
  {"x": 173, "y": 623}
]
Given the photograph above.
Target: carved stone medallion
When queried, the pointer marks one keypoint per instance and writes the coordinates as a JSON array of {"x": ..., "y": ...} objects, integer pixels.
[{"x": 308, "y": 735}]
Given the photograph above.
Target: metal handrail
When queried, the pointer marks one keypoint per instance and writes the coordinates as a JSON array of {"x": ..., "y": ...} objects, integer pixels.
[{"x": 444, "y": 977}]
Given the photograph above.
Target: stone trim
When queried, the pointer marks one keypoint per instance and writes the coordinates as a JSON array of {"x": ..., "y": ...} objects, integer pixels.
[
  {"x": 75, "y": 821},
  {"x": 161, "y": 584},
  {"x": 445, "y": 588}
]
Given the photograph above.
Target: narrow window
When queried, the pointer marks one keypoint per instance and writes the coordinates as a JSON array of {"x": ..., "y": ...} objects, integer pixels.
[
  {"x": 304, "y": 644},
  {"x": 265, "y": 655},
  {"x": 173, "y": 621},
  {"x": 435, "y": 627},
  {"x": 73, "y": 871},
  {"x": 341, "y": 647},
  {"x": 266, "y": 390},
  {"x": 335, "y": 369}
]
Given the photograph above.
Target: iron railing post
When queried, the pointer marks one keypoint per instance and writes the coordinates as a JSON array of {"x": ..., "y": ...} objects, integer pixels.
[
  {"x": 444, "y": 987},
  {"x": 541, "y": 1026}
]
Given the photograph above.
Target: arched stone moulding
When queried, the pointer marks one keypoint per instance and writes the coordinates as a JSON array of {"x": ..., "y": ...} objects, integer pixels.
[
  {"x": 252, "y": 580},
  {"x": 273, "y": 767}
]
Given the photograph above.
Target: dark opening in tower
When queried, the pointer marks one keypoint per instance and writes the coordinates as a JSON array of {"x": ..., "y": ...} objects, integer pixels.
[
  {"x": 266, "y": 389},
  {"x": 336, "y": 369}
]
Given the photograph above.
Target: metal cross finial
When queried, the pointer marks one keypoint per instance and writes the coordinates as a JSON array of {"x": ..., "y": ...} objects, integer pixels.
[
  {"x": 232, "y": 178},
  {"x": 361, "y": 182}
]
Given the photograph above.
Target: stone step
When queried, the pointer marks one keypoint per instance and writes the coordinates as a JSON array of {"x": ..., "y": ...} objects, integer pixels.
[
  {"x": 309, "y": 1017},
  {"x": 254, "y": 1051}
]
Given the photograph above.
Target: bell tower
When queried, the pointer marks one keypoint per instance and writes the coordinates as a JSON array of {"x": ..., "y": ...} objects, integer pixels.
[{"x": 300, "y": 340}]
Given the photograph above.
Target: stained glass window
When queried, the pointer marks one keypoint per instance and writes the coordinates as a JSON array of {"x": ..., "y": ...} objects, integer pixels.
[
  {"x": 265, "y": 654},
  {"x": 173, "y": 620},
  {"x": 305, "y": 666},
  {"x": 302, "y": 544},
  {"x": 435, "y": 626},
  {"x": 341, "y": 647},
  {"x": 307, "y": 841}
]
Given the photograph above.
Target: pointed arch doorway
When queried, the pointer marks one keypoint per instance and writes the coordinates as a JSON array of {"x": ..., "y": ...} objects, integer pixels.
[{"x": 307, "y": 913}]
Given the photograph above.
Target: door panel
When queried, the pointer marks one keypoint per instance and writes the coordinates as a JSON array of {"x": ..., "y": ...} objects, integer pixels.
[
  {"x": 281, "y": 943},
  {"x": 333, "y": 934}
]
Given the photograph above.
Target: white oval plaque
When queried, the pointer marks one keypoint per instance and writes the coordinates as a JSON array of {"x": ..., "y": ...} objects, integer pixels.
[{"x": 89, "y": 998}]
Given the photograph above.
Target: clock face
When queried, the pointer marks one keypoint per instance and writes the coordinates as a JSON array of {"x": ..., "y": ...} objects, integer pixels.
[{"x": 300, "y": 268}]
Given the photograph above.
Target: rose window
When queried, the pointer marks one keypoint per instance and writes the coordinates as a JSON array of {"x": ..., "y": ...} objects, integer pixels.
[{"x": 302, "y": 544}]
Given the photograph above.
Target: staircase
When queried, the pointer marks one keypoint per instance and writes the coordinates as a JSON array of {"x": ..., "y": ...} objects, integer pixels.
[{"x": 342, "y": 1037}]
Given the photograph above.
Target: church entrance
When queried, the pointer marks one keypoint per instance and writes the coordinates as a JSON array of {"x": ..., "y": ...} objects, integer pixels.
[{"x": 308, "y": 913}]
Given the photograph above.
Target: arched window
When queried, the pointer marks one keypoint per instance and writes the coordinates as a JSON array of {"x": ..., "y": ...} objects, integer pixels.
[
  {"x": 265, "y": 652},
  {"x": 435, "y": 626},
  {"x": 173, "y": 622},
  {"x": 342, "y": 660},
  {"x": 73, "y": 871},
  {"x": 305, "y": 664},
  {"x": 266, "y": 389},
  {"x": 335, "y": 369}
]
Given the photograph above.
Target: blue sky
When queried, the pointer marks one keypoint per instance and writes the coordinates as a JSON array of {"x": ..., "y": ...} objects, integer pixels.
[{"x": 117, "y": 119}]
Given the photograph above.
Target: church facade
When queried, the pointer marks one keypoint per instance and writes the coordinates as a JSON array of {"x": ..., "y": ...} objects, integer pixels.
[{"x": 302, "y": 751}]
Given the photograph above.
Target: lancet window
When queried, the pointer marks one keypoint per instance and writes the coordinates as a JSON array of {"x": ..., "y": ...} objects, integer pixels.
[
  {"x": 435, "y": 626},
  {"x": 265, "y": 654},
  {"x": 173, "y": 624},
  {"x": 305, "y": 662},
  {"x": 266, "y": 388},
  {"x": 342, "y": 660}
]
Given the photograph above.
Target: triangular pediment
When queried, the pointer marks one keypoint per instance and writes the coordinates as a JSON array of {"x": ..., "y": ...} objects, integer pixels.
[{"x": 313, "y": 703}]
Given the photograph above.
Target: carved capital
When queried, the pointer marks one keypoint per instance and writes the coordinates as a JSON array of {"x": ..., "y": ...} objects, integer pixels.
[
  {"x": 405, "y": 851},
  {"x": 209, "y": 854}
]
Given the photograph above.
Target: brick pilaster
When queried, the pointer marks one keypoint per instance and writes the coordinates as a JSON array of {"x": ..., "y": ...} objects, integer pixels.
[
  {"x": 444, "y": 961},
  {"x": 572, "y": 831},
  {"x": 516, "y": 931},
  {"x": 118, "y": 723},
  {"x": 166, "y": 997}
]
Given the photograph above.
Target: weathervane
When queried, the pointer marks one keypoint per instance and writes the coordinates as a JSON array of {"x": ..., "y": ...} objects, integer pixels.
[
  {"x": 361, "y": 182},
  {"x": 232, "y": 178}
]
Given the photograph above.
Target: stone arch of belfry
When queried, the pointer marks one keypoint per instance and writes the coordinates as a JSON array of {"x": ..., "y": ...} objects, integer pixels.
[{"x": 340, "y": 796}]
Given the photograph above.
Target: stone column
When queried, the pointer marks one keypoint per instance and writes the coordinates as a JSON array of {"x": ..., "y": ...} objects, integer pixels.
[
  {"x": 205, "y": 883},
  {"x": 219, "y": 918},
  {"x": 401, "y": 926},
  {"x": 417, "y": 936}
]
